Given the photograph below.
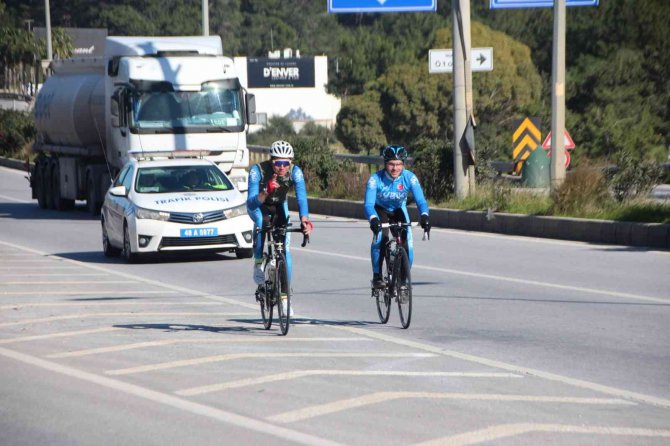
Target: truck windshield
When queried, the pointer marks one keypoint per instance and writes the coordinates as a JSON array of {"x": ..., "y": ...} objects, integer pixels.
[
  {"x": 217, "y": 107},
  {"x": 171, "y": 179}
]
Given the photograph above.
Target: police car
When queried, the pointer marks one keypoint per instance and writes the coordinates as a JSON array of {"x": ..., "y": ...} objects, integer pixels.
[{"x": 167, "y": 205}]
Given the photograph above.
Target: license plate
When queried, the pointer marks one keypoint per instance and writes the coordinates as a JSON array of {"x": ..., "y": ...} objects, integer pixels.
[{"x": 198, "y": 232}]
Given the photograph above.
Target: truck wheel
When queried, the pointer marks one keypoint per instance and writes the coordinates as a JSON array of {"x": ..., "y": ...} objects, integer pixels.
[
  {"x": 59, "y": 203},
  {"x": 38, "y": 183},
  {"x": 107, "y": 248},
  {"x": 47, "y": 184},
  {"x": 130, "y": 256},
  {"x": 91, "y": 203},
  {"x": 244, "y": 253}
]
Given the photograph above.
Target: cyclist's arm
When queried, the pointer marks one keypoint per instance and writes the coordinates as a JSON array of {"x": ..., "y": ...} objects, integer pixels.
[
  {"x": 420, "y": 199},
  {"x": 253, "y": 201},
  {"x": 371, "y": 197},
  {"x": 300, "y": 191}
]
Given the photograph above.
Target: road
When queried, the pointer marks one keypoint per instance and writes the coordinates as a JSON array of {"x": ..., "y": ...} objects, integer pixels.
[{"x": 513, "y": 341}]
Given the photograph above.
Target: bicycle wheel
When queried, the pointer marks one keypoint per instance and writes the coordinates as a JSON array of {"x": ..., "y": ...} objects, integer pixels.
[
  {"x": 382, "y": 296},
  {"x": 282, "y": 294},
  {"x": 266, "y": 303},
  {"x": 403, "y": 287}
]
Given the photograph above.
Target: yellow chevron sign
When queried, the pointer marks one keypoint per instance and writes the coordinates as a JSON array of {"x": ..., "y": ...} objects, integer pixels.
[{"x": 526, "y": 138}]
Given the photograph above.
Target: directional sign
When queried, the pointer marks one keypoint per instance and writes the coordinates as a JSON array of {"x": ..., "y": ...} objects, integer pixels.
[
  {"x": 526, "y": 138},
  {"x": 502, "y": 4},
  {"x": 568, "y": 143},
  {"x": 442, "y": 61},
  {"x": 359, "y": 6}
]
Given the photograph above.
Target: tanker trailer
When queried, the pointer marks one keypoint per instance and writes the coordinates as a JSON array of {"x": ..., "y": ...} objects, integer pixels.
[{"x": 147, "y": 94}]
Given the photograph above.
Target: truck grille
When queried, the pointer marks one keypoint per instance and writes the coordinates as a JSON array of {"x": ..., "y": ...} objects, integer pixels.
[
  {"x": 229, "y": 239},
  {"x": 196, "y": 218}
]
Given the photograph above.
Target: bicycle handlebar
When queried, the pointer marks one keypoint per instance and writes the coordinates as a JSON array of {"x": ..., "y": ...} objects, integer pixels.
[
  {"x": 305, "y": 237},
  {"x": 426, "y": 234}
]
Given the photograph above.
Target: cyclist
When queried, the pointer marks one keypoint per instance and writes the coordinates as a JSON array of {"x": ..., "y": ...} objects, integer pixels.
[
  {"x": 269, "y": 183},
  {"x": 386, "y": 201}
]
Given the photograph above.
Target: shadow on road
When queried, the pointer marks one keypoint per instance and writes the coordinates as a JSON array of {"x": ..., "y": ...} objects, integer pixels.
[
  {"x": 176, "y": 327},
  {"x": 31, "y": 211},
  {"x": 98, "y": 257}
]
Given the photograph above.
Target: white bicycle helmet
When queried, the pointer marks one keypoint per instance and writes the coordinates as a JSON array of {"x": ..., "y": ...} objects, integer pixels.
[{"x": 281, "y": 149}]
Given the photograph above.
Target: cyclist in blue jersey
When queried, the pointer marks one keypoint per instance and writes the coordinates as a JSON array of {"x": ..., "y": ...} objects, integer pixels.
[
  {"x": 269, "y": 183},
  {"x": 386, "y": 201}
]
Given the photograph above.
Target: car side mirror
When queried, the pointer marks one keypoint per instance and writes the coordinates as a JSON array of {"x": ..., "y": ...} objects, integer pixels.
[
  {"x": 118, "y": 191},
  {"x": 251, "y": 109}
]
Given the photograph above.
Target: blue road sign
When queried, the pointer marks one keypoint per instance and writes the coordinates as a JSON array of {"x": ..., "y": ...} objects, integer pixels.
[
  {"x": 502, "y": 4},
  {"x": 358, "y": 6}
]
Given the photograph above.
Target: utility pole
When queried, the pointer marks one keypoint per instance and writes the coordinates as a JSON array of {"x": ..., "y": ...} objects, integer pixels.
[
  {"x": 462, "y": 76},
  {"x": 205, "y": 17},
  {"x": 48, "y": 20},
  {"x": 558, "y": 97}
]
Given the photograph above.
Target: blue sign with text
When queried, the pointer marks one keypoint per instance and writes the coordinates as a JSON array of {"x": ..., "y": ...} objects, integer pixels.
[
  {"x": 501, "y": 4},
  {"x": 358, "y": 6}
]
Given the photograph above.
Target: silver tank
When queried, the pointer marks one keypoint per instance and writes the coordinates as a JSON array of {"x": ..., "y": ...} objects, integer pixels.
[{"x": 70, "y": 110}]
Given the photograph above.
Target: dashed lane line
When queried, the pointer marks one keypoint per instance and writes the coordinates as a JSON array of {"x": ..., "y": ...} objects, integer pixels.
[
  {"x": 620, "y": 393},
  {"x": 62, "y": 334},
  {"x": 233, "y": 356},
  {"x": 296, "y": 374},
  {"x": 120, "y": 314},
  {"x": 507, "y": 279},
  {"x": 495, "y": 433},
  {"x": 86, "y": 303},
  {"x": 382, "y": 397},
  {"x": 172, "y": 401},
  {"x": 136, "y": 345},
  {"x": 87, "y": 293},
  {"x": 68, "y": 282}
]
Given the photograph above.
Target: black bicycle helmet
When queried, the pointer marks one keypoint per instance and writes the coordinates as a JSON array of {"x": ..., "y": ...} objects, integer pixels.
[{"x": 393, "y": 152}]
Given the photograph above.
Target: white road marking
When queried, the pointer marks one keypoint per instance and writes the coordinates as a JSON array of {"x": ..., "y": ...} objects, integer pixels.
[
  {"x": 493, "y": 433},
  {"x": 639, "y": 397},
  {"x": 54, "y": 275},
  {"x": 382, "y": 397},
  {"x": 31, "y": 268},
  {"x": 106, "y": 293},
  {"x": 39, "y": 260},
  {"x": 88, "y": 303},
  {"x": 121, "y": 314},
  {"x": 124, "y": 347},
  {"x": 16, "y": 200},
  {"x": 171, "y": 400},
  {"x": 507, "y": 279},
  {"x": 58, "y": 335},
  {"x": 232, "y": 356},
  {"x": 68, "y": 282},
  {"x": 303, "y": 373}
]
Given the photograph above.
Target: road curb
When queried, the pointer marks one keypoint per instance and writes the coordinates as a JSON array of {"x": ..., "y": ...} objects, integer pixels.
[
  {"x": 13, "y": 163},
  {"x": 653, "y": 235}
]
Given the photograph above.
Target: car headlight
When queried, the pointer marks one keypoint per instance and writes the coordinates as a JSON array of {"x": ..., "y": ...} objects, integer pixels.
[
  {"x": 151, "y": 215},
  {"x": 236, "y": 211}
]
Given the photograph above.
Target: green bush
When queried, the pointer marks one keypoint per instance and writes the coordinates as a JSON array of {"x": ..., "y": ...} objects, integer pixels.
[
  {"x": 316, "y": 160},
  {"x": 17, "y": 130},
  {"x": 433, "y": 165},
  {"x": 583, "y": 192},
  {"x": 632, "y": 178}
]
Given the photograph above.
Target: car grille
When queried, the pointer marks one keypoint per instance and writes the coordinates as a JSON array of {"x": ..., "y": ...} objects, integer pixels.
[
  {"x": 198, "y": 241},
  {"x": 188, "y": 217}
]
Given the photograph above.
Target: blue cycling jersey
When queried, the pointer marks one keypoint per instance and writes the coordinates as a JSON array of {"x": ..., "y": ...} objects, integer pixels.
[{"x": 384, "y": 191}]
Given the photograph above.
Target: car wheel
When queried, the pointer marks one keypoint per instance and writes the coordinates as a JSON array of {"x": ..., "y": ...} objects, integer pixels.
[
  {"x": 130, "y": 256},
  {"x": 107, "y": 248},
  {"x": 244, "y": 253}
]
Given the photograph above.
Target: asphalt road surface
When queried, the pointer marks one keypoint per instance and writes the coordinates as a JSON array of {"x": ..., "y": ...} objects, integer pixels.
[{"x": 513, "y": 341}]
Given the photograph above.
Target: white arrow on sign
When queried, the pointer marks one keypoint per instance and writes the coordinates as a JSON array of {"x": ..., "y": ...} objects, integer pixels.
[{"x": 442, "y": 61}]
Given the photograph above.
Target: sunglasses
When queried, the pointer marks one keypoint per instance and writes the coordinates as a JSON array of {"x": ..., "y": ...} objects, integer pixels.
[{"x": 281, "y": 163}]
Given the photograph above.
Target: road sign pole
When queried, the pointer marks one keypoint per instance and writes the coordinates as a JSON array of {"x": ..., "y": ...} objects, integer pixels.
[
  {"x": 469, "y": 107},
  {"x": 205, "y": 17},
  {"x": 558, "y": 96},
  {"x": 461, "y": 182}
]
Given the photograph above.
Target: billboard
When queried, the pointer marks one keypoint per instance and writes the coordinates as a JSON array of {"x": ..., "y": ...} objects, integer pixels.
[{"x": 263, "y": 72}]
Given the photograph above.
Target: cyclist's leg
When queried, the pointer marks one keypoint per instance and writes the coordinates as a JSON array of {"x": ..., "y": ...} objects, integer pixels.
[
  {"x": 379, "y": 242},
  {"x": 401, "y": 215},
  {"x": 282, "y": 219},
  {"x": 257, "y": 217}
]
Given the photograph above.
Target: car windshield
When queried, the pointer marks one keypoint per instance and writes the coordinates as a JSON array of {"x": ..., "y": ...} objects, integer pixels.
[
  {"x": 217, "y": 107},
  {"x": 171, "y": 179}
]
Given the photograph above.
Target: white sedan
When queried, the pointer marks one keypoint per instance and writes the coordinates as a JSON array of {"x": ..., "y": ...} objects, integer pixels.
[{"x": 174, "y": 205}]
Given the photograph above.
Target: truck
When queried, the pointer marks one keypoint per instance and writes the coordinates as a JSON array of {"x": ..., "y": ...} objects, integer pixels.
[{"x": 146, "y": 94}]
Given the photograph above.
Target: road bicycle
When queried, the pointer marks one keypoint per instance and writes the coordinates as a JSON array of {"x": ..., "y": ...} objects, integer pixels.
[
  {"x": 276, "y": 291},
  {"x": 396, "y": 275}
]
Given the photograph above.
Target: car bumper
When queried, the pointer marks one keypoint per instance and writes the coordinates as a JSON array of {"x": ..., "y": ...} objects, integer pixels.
[{"x": 161, "y": 236}]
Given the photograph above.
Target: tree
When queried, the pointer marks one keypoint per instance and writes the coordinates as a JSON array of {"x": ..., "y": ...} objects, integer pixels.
[{"x": 359, "y": 123}]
